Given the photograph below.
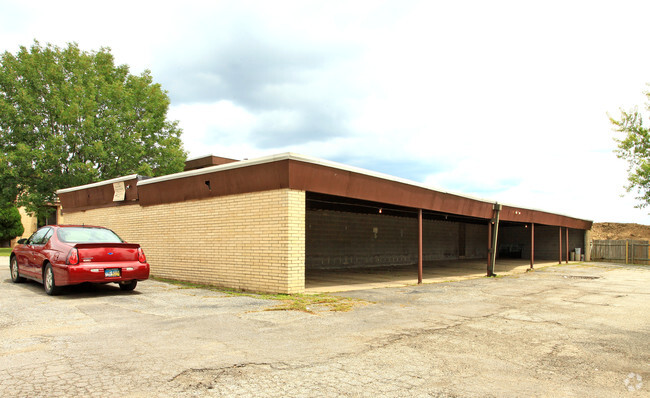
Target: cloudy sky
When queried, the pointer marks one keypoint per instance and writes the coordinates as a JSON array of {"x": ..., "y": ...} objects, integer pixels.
[{"x": 504, "y": 100}]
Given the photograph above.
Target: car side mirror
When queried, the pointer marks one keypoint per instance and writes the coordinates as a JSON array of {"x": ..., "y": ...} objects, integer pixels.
[{"x": 22, "y": 241}]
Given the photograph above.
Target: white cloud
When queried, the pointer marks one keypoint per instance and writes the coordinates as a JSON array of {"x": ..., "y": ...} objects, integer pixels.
[
  {"x": 506, "y": 100},
  {"x": 201, "y": 123}
]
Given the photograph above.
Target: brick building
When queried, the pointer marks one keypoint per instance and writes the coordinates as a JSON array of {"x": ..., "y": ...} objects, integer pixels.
[
  {"x": 31, "y": 223},
  {"x": 261, "y": 224}
]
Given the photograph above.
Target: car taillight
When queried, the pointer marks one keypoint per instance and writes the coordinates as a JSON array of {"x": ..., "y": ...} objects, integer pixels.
[
  {"x": 141, "y": 256},
  {"x": 73, "y": 257}
]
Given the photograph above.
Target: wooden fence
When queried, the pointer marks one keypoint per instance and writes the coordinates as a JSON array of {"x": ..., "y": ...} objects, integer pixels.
[{"x": 621, "y": 251}]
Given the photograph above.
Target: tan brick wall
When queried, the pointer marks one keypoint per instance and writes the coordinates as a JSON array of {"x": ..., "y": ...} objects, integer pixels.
[
  {"x": 253, "y": 241},
  {"x": 29, "y": 224}
]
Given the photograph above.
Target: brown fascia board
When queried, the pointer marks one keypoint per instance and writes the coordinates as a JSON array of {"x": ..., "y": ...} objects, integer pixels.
[
  {"x": 333, "y": 181},
  {"x": 523, "y": 215},
  {"x": 214, "y": 181},
  {"x": 98, "y": 194},
  {"x": 299, "y": 172},
  {"x": 206, "y": 161},
  {"x": 326, "y": 180}
]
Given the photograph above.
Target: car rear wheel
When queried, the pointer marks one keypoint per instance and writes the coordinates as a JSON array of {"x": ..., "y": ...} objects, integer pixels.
[
  {"x": 128, "y": 286},
  {"x": 48, "y": 281},
  {"x": 15, "y": 276}
]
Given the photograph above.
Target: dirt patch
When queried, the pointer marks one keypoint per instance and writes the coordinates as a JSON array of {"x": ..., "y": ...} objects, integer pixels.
[{"x": 616, "y": 231}]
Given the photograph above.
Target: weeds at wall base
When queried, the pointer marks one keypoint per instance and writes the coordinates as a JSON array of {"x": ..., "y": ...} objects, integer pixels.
[{"x": 309, "y": 303}]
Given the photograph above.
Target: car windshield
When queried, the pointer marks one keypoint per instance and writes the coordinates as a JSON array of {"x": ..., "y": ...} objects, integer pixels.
[{"x": 87, "y": 235}]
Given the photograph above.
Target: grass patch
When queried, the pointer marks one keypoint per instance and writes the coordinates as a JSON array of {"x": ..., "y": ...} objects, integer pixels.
[
  {"x": 5, "y": 251},
  {"x": 590, "y": 265},
  {"x": 310, "y": 303},
  {"x": 313, "y": 303}
]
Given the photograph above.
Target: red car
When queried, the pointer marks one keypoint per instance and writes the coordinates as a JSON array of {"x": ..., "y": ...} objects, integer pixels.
[{"x": 60, "y": 255}]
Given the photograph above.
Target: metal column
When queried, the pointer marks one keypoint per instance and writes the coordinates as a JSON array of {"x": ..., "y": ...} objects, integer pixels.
[
  {"x": 495, "y": 235},
  {"x": 532, "y": 245},
  {"x": 419, "y": 246},
  {"x": 560, "y": 261},
  {"x": 489, "y": 251}
]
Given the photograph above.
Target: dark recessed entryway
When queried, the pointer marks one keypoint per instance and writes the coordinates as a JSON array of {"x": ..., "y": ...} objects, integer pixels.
[{"x": 352, "y": 244}]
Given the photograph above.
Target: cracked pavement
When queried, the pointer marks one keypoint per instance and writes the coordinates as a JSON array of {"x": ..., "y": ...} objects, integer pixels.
[{"x": 576, "y": 330}]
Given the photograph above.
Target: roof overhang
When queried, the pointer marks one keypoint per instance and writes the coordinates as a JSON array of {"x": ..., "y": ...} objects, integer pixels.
[{"x": 293, "y": 171}]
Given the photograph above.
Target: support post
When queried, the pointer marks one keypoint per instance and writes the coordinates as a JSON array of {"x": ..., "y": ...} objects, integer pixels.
[
  {"x": 532, "y": 245},
  {"x": 567, "y": 245},
  {"x": 419, "y": 246},
  {"x": 627, "y": 250},
  {"x": 588, "y": 245},
  {"x": 560, "y": 260},
  {"x": 489, "y": 250},
  {"x": 495, "y": 235}
]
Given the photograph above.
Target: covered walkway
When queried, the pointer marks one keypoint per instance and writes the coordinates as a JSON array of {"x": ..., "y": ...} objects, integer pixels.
[{"x": 340, "y": 280}]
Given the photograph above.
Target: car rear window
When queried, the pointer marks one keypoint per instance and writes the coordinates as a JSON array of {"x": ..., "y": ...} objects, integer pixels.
[{"x": 87, "y": 235}]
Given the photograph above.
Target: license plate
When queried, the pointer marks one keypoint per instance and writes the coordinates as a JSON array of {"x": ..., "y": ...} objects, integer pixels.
[{"x": 112, "y": 273}]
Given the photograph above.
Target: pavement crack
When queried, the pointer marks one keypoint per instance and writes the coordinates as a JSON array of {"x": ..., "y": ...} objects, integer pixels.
[{"x": 223, "y": 369}]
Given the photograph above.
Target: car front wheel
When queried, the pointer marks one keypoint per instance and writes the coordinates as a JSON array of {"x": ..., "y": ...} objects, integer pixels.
[
  {"x": 128, "y": 286},
  {"x": 48, "y": 281},
  {"x": 15, "y": 276}
]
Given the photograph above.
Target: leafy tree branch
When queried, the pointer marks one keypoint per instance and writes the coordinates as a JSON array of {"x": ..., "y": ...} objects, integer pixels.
[
  {"x": 634, "y": 147},
  {"x": 71, "y": 117}
]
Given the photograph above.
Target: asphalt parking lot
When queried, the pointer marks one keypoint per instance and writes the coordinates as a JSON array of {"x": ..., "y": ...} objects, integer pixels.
[{"x": 570, "y": 331}]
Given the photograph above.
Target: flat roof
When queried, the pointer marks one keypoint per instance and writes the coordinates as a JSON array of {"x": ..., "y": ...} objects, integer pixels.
[
  {"x": 322, "y": 162},
  {"x": 301, "y": 158},
  {"x": 300, "y": 172},
  {"x": 98, "y": 184}
]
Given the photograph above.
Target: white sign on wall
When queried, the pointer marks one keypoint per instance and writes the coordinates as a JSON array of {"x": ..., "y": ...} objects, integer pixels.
[{"x": 119, "y": 191}]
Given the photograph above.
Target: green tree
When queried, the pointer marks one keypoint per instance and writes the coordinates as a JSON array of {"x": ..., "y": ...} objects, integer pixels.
[
  {"x": 70, "y": 117},
  {"x": 635, "y": 149},
  {"x": 10, "y": 223}
]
